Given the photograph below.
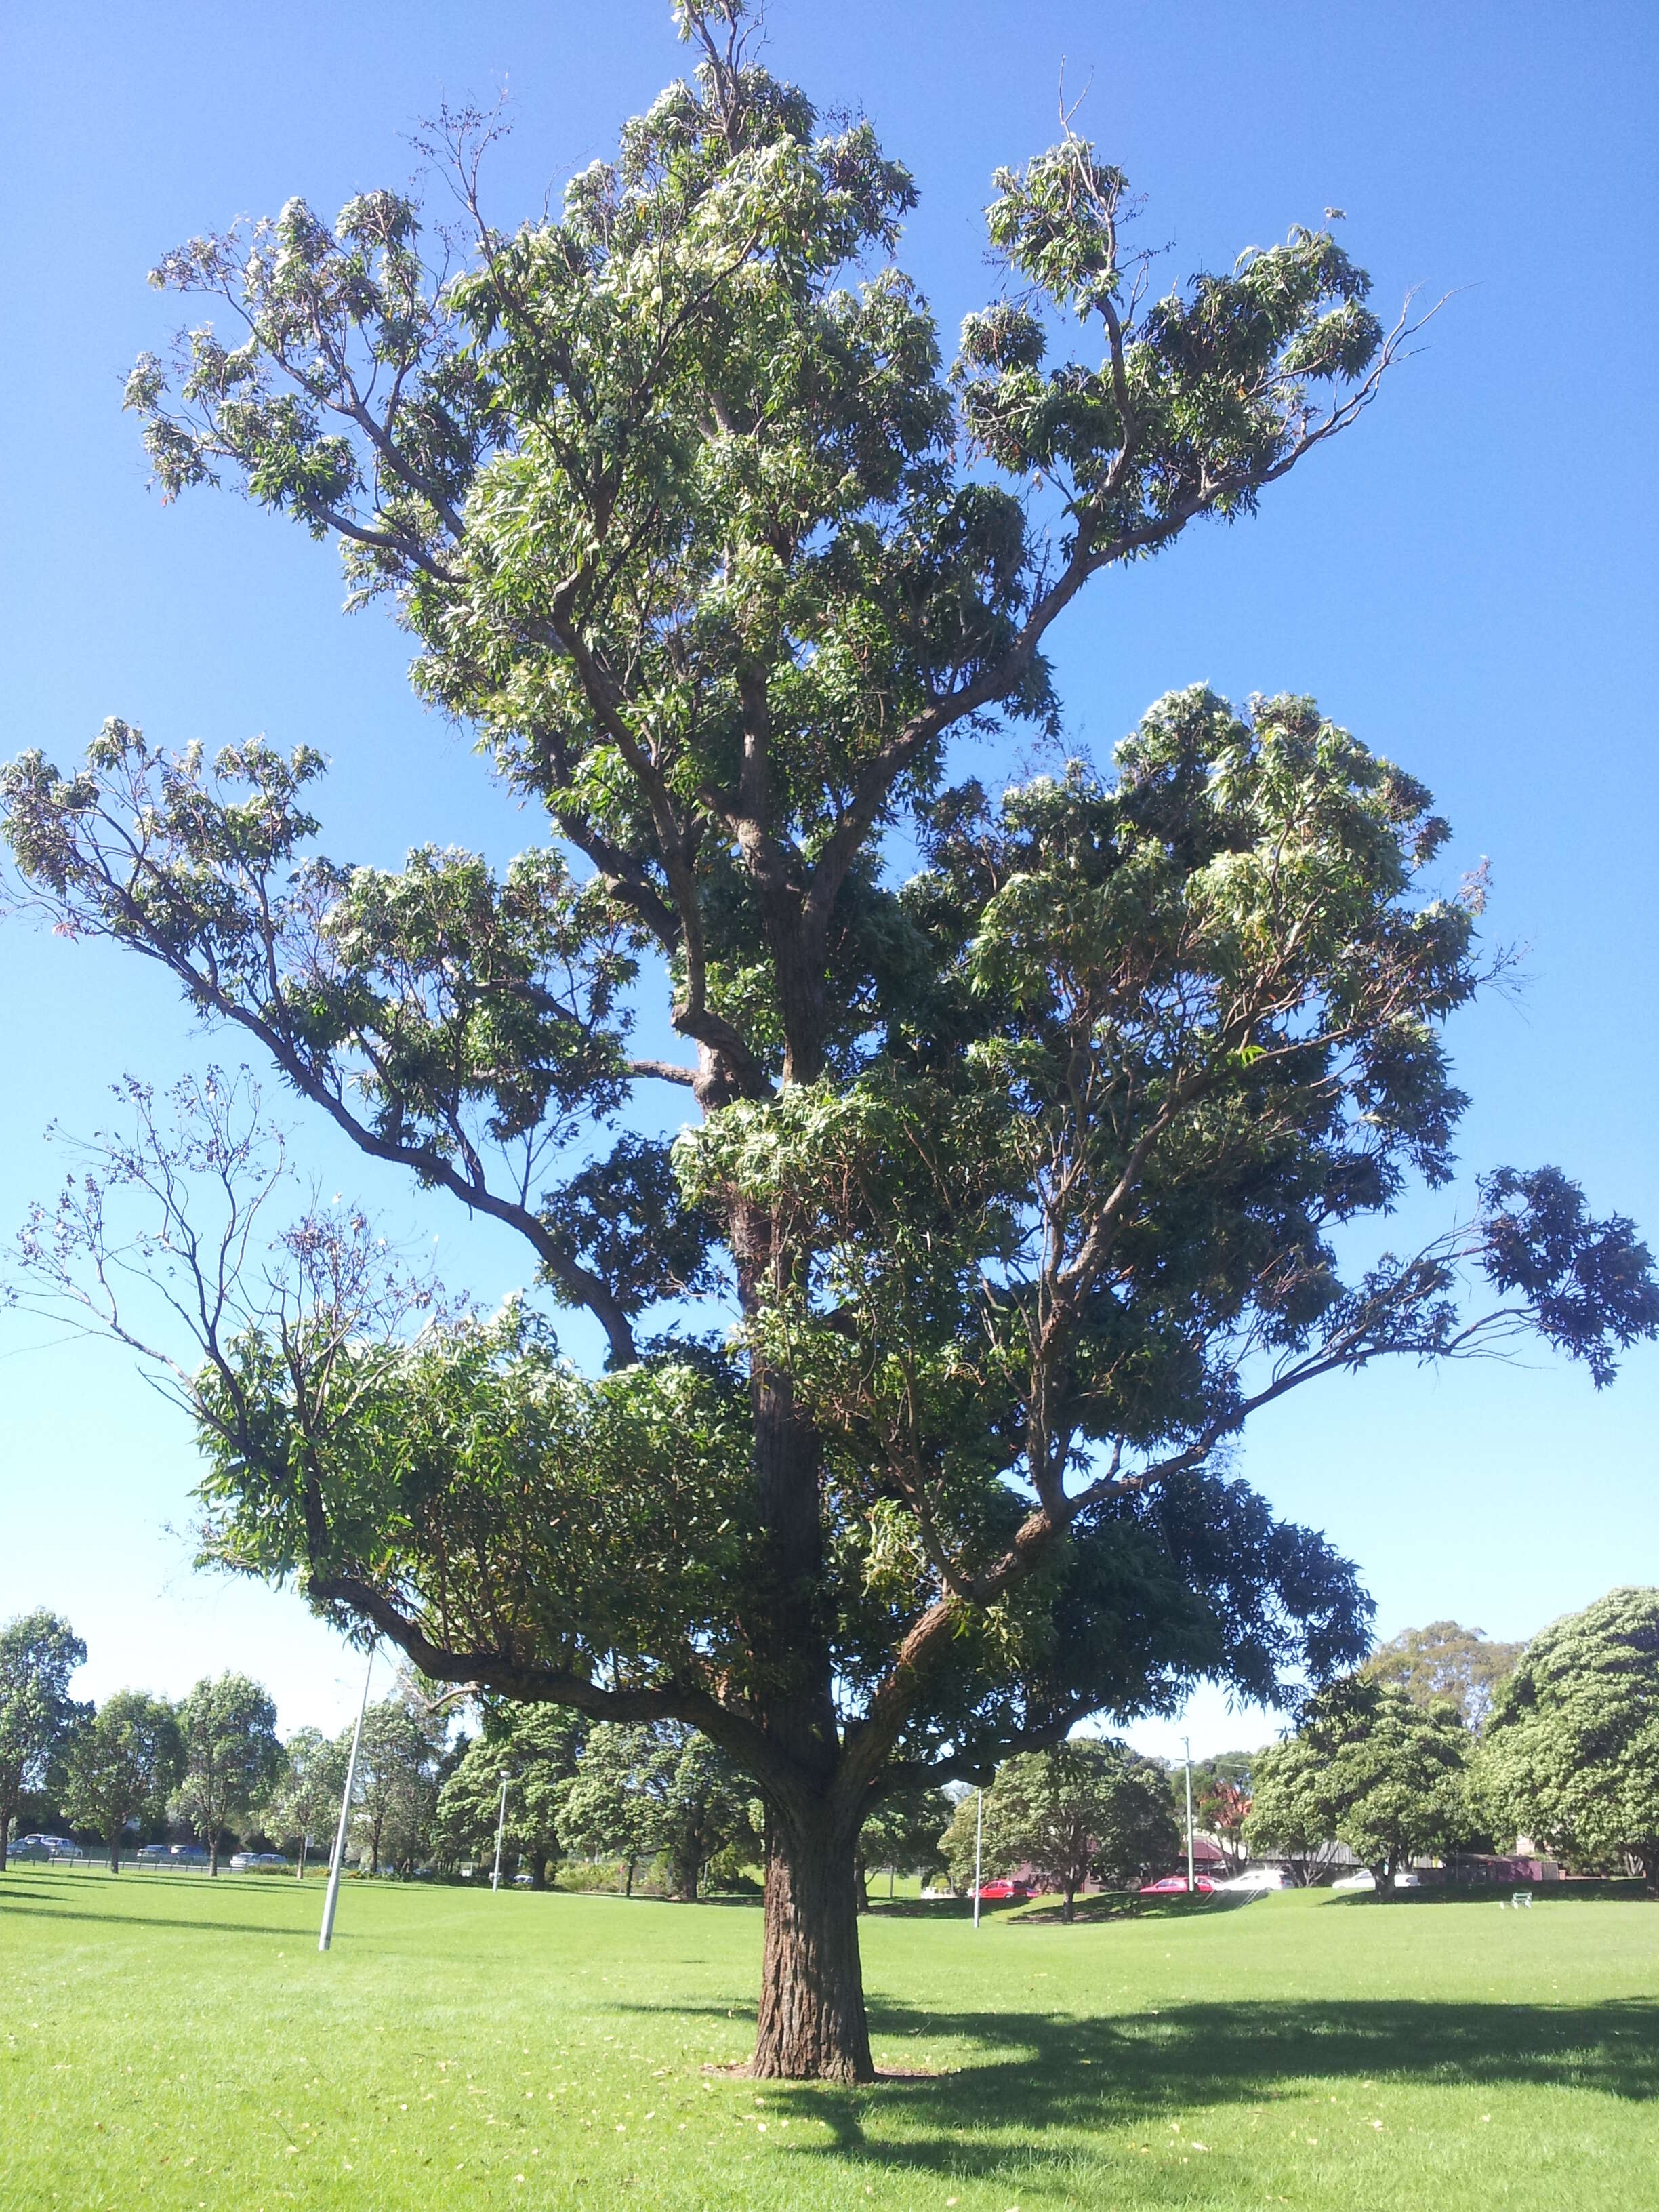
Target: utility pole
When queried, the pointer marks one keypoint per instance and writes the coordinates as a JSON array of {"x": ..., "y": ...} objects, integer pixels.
[
  {"x": 333, "y": 1892},
  {"x": 1186, "y": 1746},
  {"x": 979, "y": 1839},
  {"x": 500, "y": 1829}
]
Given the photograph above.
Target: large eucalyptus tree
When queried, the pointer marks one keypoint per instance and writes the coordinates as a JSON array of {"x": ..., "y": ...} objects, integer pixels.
[{"x": 1022, "y": 1127}]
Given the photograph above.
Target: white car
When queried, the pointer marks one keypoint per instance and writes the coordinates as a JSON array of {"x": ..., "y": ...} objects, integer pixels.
[{"x": 1263, "y": 1877}]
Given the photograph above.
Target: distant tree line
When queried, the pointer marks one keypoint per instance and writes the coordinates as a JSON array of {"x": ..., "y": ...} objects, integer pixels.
[{"x": 1443, "y": 1742}]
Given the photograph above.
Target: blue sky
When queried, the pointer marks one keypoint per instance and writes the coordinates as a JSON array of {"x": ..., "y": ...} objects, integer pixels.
[{"x": 1467, "y": 582}]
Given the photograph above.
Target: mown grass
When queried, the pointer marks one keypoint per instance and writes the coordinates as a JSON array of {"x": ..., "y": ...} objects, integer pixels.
[{"x": 168, "y": 2042}]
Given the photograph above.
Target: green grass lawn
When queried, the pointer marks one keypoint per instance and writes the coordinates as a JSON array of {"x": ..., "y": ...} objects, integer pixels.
[{"x": 170, "y": 2042}]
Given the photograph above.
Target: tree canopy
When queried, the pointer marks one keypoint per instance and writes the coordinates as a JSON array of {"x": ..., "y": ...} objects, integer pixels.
[
  {"x": 232, "y": 1758},
  {"x": 1371, "y": 1768},
  {"x": 1445, "y": 1660},
  {"x": 1084, "y": 1811},
  {"x": 1571, "y": 1750},
  {"x": 535, "y": 1748},
  {"x": 640, "y": 1794},
  {"x": 38, "y": 1652},
  {"x": 122, "y": 1764},
  {"x": 1028, "y": 1125}
]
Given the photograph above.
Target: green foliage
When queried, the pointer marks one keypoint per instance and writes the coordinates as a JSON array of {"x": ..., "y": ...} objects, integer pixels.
[
  {"x": 399, "y": 1774},
  {"x": 1446, "y": 1661},
  {"x": 1571, "y": 1750},
  {"x": 38, "y": 1652},
  {"x": 639, "y": 1793},
  {"x": 1086, "y": 1810},
  {"x": 232, "y": 1758},
  {"x": 303, "y": 1804},
  {"x": 1373, "y": 1768},
  {"x": 902, "y": 1833},
  {"x": 1290, "y": 1816},
  {"x": 535, "y": 1748},
  {"x": 123, "y": 1764}
]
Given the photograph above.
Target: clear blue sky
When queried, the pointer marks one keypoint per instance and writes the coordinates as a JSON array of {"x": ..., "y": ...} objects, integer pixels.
[{"x": 1466, "y": 581}]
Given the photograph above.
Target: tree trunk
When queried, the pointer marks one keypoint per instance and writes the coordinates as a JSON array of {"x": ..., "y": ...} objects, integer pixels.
[
  {"x": 213, "y": 1855},
  {"x": 629, "y": 1889},
  {"x": 812, "y": 2025},
  {"x": 115, "y": 1851},
  {"x": 1068, "y": 1909}
]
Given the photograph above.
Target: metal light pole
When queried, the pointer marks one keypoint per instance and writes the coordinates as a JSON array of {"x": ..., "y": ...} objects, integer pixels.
[
  {"x": 500, "y": 1829},
  {"x": 979, "y": 1839},
  {"x": 1186, "y": 1746},
  {"x": 333, "y": 1892}
]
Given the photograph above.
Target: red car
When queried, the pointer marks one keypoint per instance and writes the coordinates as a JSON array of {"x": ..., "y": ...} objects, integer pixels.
[
  {"x": 997, "y": 1892},
  {"x": 1175, "y": 1884}
]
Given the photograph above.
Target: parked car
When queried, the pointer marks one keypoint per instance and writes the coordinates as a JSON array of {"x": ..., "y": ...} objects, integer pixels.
[
  {"x": 187, "y": 1855},
  {"x": 47, "y": 1847},
  {"x": 1265, "y": 1877},
  {"x": 1175, "y": 1884},
  {"x": 998, "y": 1892},
  {"x": 153, "y": 1854},
  {"x": 257, "y": 1862}
]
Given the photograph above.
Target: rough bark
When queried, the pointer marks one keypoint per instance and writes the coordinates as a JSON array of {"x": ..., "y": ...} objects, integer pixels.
[{"x": 811, "y": 2026}]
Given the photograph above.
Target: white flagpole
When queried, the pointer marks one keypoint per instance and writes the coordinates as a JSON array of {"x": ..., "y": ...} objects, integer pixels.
[
  {"x": 332, "y": 1895},
  {"x": 979, "y": 1839},
  {"x": 500, "y": 1825},
  {"x": 1186, "y": 1746}
]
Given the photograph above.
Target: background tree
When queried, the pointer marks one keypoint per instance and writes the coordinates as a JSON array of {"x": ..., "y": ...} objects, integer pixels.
[
  {"x": 641, "y": 1794},
  {"x": 121, "y": 1766},
  {"x": 1571, "y": 1750},
  {"x": 38, "y": 1652},
  {"x": 398, "y": 1779},
  {"x": 603, "y": 1809},
  {"x": 1015, "y": 1183},
  {"x": 232, "y": 1756},
  {"x": 1221, "y": 1801},
  {"x": 1084, "y": 1810},
  {"x": 903, "y": 1835},
  {"x": 1388, "y": 1775},
  {"x": 1446, "y": 1661},
  {"x": 304, "y": 1804},
  {"x": 537, "y": 1747},
  {"x": 1290, "y": 1816}
]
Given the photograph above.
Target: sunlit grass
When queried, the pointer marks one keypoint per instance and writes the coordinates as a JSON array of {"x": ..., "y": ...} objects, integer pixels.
[{"x": 172, "y": 2042}]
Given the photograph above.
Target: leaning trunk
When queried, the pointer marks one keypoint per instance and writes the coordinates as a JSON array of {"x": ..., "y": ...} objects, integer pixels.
[{"x": 811, "y": 2026}]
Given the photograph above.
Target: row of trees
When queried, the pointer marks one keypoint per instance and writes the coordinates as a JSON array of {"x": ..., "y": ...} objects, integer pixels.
[
  {"x": 1428, "y": 1750},
  {"x": 134, "y": 1759}
]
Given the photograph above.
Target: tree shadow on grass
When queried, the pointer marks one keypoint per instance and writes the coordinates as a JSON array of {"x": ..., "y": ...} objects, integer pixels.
[
  {"x": 1138, "y": 2071},
  {"x": 24, "y": 1899}
]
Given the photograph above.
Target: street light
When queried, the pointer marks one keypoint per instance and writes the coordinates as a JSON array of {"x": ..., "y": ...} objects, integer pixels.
[
  {"x": 1186, "y": 1746},
  {"x": 331, "y": 1898}
]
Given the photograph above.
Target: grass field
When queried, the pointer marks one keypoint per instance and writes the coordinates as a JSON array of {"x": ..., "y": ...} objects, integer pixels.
[{"x": 169, "y": 2042}]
